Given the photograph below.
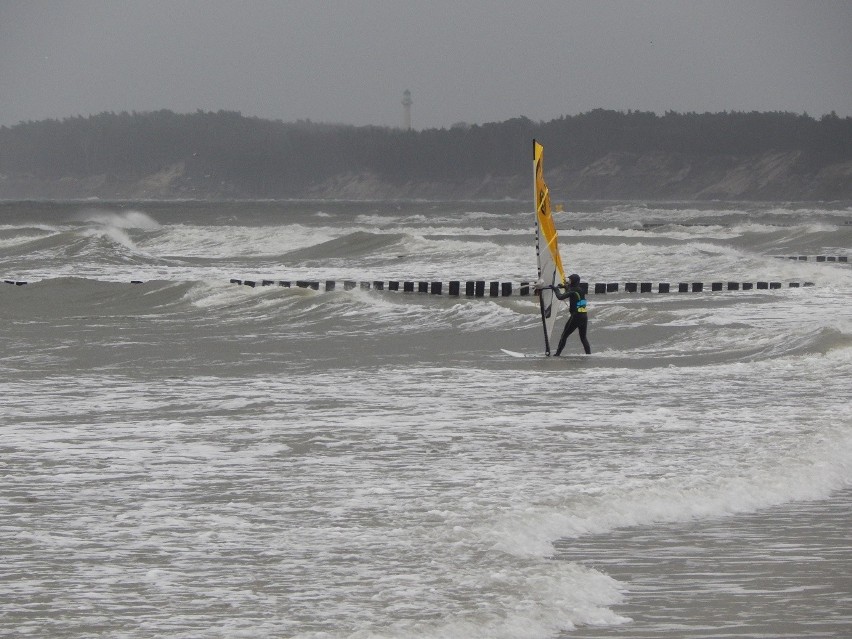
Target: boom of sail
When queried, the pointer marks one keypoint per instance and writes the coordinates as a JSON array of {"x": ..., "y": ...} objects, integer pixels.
[{"x": 550, "y": 271}]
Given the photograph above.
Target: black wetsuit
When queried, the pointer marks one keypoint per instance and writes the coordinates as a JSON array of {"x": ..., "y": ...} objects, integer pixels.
[{"x": 579, "y": 319}]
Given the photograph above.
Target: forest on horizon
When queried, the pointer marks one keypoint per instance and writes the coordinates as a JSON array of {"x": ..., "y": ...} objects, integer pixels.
[{"x": 271, "y": 158}]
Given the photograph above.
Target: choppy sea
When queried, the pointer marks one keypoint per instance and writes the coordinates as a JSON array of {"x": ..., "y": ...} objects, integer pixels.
[{"x": 187, "y": 457}]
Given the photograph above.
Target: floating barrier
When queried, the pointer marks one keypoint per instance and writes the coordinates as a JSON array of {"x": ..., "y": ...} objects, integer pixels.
[
  {"x": 492, "y": 288},
  {"x": 496, "y": 288}
]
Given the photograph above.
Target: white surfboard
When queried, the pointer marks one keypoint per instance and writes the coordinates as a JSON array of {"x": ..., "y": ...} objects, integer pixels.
[
  {"x": 570, "y": 356},
  {"x": 517, "y": 354}
]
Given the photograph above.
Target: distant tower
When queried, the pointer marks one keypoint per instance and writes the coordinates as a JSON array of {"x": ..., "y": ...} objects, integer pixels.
[{"x": 406, "y": 105}]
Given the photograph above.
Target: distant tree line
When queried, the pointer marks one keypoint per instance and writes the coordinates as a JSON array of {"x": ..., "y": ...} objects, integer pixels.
[{"x": 269, "y": 158}]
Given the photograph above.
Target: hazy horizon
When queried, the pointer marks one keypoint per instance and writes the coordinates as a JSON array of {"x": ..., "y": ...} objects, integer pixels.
[{"x": 475, "y": 62}]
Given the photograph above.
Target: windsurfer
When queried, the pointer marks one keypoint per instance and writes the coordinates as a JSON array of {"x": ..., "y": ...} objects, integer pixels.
[{"x": 579, "y": 319}]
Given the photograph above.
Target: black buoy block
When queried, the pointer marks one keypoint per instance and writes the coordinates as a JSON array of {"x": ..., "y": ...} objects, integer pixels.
[
  {"x": 747, "y": 286},
  {"x": 365, "y": 286},
  {"x": 136, "y": 282},
  {"x": 284, "y": 283},
  {"x": 436, "y": 288},
  {"x": 697, "y": 287},
  {"x": 379, "y": 285},
  {"x": 774, "y": 285},
  {"x": 330, "y": 285},
  {"x": 235, "y": 281},
  {"x": 630, "y": 287},
  {"x": 455, "y": 287},
  {"x": 422, "y": 287},
  {"x": 762, "y": 285},
  {"x": 249, "y": 283},
  {"x": 645, "y": 287},
  {"x": 506, "y": 289},
  {"x": 469, "y": 288},
  {"x": 612, "y": 287},
  {"x": 266, "y": 282},
  {"x": 393, "y": 285},
  {"x": 525, "y": 288},
  {"x": 663, "y": 287},
  {"x": 683, "y": 287},
  {"x": 716, "y": 286},
  {"x": 348, "y": 285},
  {"x": 733, "y": 286},
  {"x": 494, "y": 289},
  {"x": 479, "y": 289},
  {"x": 408, "y": 287}
]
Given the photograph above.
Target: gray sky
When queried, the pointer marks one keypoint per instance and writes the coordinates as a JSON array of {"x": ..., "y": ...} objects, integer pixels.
[{"x": 463, "y": 60}]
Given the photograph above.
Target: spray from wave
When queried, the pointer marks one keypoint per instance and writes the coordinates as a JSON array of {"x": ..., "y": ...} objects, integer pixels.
[
  {"x": 114, "y": 225},
  {"x": 118, "y": 219}
]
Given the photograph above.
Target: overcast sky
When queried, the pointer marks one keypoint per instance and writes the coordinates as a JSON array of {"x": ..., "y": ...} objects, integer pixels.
[{"x": 349, "y": 61}]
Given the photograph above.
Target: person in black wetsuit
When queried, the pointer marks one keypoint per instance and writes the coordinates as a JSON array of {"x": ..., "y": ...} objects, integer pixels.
[{"x": 578, "y": 320}]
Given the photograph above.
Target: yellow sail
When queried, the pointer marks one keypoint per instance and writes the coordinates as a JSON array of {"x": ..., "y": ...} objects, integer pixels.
[
  {"x": 550, "y": 271},
  {"x": 544, "y": 217}
]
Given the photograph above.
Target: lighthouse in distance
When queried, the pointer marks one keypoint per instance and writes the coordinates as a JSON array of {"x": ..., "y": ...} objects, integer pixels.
[{"x": 406, "y": 113}]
